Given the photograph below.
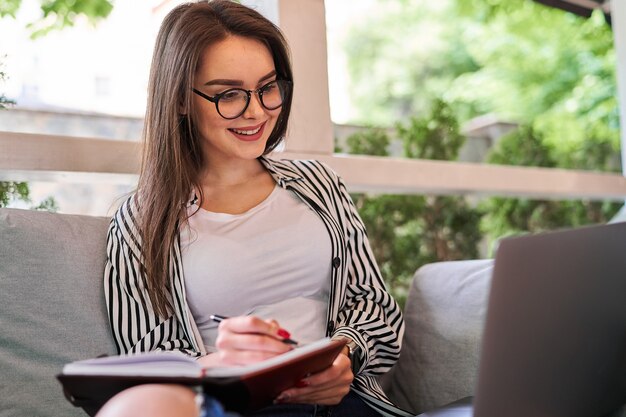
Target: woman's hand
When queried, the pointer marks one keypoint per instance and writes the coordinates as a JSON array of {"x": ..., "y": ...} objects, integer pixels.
[
  {"x": 327, "y": 387},
  {"x": 245, "y": 340}
]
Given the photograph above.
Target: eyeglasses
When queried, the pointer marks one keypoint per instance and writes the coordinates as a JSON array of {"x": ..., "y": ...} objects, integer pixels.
[{"x": 233, "y": 102}]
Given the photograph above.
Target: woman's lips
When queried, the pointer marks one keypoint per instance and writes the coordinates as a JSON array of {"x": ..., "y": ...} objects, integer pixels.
[{"x": 248, "y": 134}]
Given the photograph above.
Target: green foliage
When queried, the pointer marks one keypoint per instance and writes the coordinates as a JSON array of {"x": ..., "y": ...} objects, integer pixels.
[
  {"x": 373, "y": 141},
  {"x": 551, "y": 71},
  {"x": 407, "y": 231},
  {"x": 543, "y": 67},
  {"x": 57, "y": 14},
  {"x": 10, "y": 191},
  {"x": 402, "y": 58},
  {"x": 510, "y": 216},
  {"x": 515, "y": 58},
  {"x": 9, "y": 7},
  {"x": 523, "y": 147},
  {"x": 436, "y": 136},
  {"x": 47, "y": 204},
  {"x": 393, "y": 230}
]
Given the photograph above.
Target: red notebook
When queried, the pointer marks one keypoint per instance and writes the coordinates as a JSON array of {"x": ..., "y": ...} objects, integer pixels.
[{"x": 90, "y": 383}]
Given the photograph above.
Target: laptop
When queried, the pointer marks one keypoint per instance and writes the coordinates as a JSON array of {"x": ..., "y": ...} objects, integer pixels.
[{"x": 554, "y": 342}]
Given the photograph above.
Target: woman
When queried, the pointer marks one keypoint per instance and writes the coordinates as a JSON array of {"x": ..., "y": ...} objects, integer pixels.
[{"x": 217, "y": 227}]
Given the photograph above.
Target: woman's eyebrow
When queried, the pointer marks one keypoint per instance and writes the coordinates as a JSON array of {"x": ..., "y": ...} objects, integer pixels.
[
  {"x": 238, "y": 83},
  {"x": 269, "y": 75},
  {"x": 220, "y": 81}
]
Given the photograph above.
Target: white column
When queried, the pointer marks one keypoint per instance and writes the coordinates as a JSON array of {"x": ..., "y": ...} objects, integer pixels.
[
  {"x": 618, "y": 19},
  {"x": 618, "y": 15},
  {"x": 304, "y": 25}
]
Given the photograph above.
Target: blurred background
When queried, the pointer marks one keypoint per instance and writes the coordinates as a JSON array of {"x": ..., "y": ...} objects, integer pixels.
[{"x": 509, "y": 82}]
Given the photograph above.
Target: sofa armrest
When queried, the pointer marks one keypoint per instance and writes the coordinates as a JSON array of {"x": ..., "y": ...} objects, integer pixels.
[{"x": 444, "y": 318}]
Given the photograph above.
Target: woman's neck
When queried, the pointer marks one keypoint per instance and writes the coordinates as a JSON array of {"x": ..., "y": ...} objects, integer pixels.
[
  {"x": 231, "y": 173},
  {"x": 235, "y": 188}
]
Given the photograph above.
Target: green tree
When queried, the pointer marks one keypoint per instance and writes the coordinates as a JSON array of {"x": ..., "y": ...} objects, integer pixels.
[
  {"x": 560, "y": 69},
  {"x": 407, "y": 231},
  {"x": 513, "y": 216},
  {"x": 545, "y": 68},
  {"x": 515, "y": 58},
  {"x": 402, "y": 57},
  {"x": 436, "y": 136},
  {"x": 373, "y": 141},
  {"x": 551, "y": 71}
]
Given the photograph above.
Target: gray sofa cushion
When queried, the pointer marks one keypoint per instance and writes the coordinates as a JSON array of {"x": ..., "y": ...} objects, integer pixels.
[
  {"x": 51, "y": 306},
  {"x": 444, "y": 322}
]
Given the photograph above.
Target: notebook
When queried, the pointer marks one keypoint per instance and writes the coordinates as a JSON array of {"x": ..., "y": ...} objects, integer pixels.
[
  {"x": 554, "y": 342},
  {"x": 90, "y": 383}
]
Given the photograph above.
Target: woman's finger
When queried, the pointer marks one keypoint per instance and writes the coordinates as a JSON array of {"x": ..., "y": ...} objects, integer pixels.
[
  {"x": 250, "y": 341},
  {"x": 339, "y": 372},
  {"x": 247, "y": 339},
  {"x": 326, "y": 387},
  {"x": 253, "y": 324}
]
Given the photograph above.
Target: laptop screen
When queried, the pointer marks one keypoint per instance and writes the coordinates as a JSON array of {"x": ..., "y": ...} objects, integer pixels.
[{"x": 555, "y": 334}]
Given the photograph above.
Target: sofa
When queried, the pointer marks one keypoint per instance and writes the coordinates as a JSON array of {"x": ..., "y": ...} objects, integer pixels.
[{"x": 52, "y": 312}]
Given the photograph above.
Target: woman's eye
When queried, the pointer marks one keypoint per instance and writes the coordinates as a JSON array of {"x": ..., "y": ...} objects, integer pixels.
[
  {"x": 231, "y": 95},
  {"x": 269, "y": 87}
]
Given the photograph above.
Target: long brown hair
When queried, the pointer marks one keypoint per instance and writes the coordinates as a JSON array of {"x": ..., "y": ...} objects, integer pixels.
[{"x": 172, "y": 157}]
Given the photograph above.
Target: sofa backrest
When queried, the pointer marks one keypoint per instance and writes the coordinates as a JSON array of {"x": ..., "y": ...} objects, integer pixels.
[
  {"x": 51, "y": 306},
  {"x": 444, "y": 317}
]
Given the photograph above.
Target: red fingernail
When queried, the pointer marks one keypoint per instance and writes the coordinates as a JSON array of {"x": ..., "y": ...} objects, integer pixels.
[
  {"x": 302, "y": 383},
  {"x": 284, "y": 333}
]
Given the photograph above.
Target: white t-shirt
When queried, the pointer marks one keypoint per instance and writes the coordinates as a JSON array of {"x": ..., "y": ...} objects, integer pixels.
[{"x": 273, "y": 261}]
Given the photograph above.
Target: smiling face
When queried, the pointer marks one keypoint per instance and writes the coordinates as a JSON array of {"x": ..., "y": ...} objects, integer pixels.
[{"x": 235, "y": 62}]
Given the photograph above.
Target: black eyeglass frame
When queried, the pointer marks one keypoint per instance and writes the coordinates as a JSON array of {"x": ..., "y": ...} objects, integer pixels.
[{"x": 259, "y": 92}]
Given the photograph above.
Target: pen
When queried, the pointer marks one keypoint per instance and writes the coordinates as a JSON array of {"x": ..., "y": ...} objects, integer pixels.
[{"x": 217, "y": 318}]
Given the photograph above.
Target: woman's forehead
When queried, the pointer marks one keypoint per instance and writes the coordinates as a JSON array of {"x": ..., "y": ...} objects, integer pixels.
[{"x": 235, "y": 58}]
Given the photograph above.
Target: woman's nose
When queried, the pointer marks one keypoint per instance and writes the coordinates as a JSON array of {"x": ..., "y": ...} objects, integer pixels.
[{"x": 255, "y": 108}]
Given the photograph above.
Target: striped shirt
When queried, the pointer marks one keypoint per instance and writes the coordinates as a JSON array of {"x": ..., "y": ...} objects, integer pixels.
[{"x": 359, "y": 306}]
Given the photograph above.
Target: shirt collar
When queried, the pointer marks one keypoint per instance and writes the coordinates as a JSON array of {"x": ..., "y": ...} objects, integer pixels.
[{"x": 279, "y": 171}]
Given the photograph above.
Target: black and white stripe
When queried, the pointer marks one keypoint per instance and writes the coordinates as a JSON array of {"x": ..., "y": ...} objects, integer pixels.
[{"x": 359, "y": 305}]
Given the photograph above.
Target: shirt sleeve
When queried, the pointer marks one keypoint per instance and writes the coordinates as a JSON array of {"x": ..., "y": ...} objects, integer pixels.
[
  {"x": 135, "y": 325},
  {"x": 370, "y": 316}
]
